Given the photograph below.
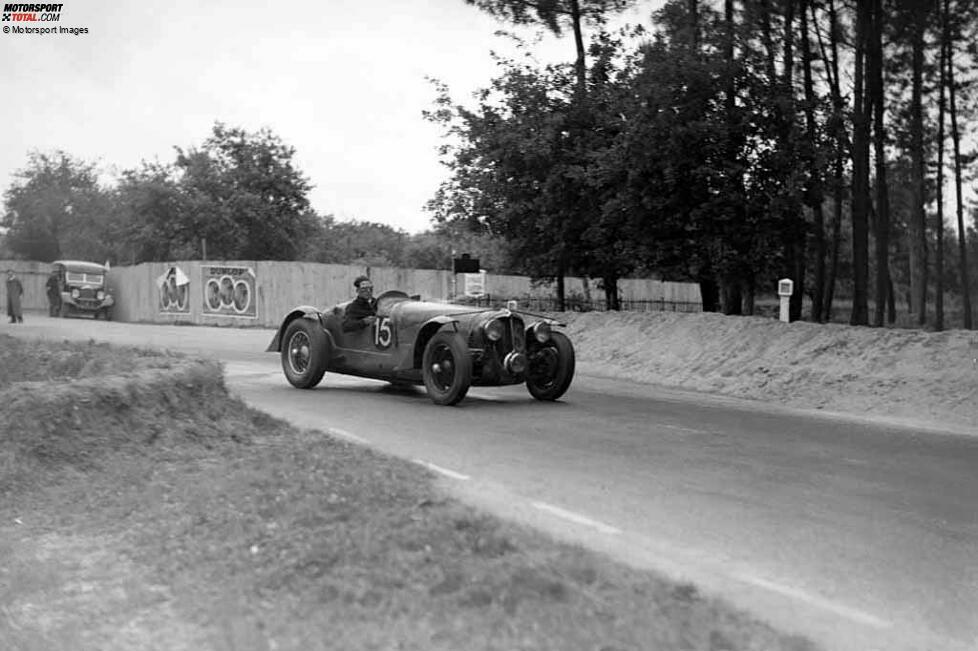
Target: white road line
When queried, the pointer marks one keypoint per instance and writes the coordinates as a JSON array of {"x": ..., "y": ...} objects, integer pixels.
[
  {"x": 837, "y": 608},
  {"x": 343, "y": 434},
  {"x": 576, "y": 518},
  {"x": 442, "y": 471},
  {"x": 825, "y": 604},
  {"x": 683, "y": 429}
]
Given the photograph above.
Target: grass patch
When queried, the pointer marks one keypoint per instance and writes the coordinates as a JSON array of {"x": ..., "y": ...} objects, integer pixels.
[
  {"x": 158, "y": 512},
  {"x": 44, "y": 361}
]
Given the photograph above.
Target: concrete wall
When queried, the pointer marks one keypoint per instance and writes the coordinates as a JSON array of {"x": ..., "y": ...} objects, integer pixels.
[{"x": 280, "y": 286}]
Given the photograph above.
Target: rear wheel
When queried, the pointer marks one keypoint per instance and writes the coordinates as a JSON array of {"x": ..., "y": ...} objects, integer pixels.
[
  {"x": 305, "y": 350},
  {"x": 446, "y": 368},
  {"x": 551, "y": 368}
]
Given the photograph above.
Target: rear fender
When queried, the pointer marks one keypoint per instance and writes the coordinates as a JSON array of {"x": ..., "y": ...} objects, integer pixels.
[
  {"x": 428, "y": 331},
  {"x": 301, "y": 312}
]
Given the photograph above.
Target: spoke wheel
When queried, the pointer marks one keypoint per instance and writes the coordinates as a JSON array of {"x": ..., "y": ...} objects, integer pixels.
[
  {"x": 551, "y": 368},
  {"x": 299, "y": 348},
  {"x": 446, "y": 368},
  {"x": 304, "y": 353}
]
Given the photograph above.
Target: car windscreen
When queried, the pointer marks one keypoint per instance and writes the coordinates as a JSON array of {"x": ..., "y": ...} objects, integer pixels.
[{"x": 79, "y": 277}]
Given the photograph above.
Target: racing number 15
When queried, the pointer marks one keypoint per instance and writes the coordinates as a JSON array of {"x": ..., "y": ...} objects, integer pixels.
[{"x": 383, "y": 335}]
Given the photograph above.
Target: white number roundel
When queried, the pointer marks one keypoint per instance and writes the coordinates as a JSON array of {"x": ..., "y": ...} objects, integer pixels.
[{"x": 383, "y": 333}]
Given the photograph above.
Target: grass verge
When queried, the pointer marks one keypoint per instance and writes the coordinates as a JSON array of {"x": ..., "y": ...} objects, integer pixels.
[{"x": 152, "y": 510}]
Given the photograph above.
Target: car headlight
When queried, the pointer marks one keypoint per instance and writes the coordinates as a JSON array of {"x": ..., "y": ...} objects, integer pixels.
[
  {"x": 541, "y": 332},
  {"x": 100, "y": 294},
  {"x": 495, "y": 330},
  {"x": 75, "y": 293}
]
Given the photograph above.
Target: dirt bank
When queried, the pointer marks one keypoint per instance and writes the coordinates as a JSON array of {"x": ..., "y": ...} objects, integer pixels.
[{"x": 914, "y": 376}]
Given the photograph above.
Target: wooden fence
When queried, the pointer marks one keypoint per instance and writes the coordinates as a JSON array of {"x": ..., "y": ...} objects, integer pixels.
[
  {"x": 33, "y": 276},
  {"x": 259, "y": 293}
]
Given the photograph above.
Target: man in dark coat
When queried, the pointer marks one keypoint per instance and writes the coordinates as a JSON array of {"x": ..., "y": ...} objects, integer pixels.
[
  {"x": 14, "y": 291},
  {"x": 54, "y": 294},
  {"x": 362, "y": 311}
]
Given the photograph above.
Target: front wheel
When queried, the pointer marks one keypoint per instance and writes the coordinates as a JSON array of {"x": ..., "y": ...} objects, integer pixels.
[
  {"x": 551, "y": 368},
  {"x": 446, "y": 368},
  {"x": 305, "y": 350}
]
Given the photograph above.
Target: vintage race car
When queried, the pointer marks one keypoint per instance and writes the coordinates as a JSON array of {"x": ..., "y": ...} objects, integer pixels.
[{"x": 445, "y": 347}]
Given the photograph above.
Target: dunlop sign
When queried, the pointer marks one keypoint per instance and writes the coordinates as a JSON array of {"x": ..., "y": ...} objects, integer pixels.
[{"x": 229, "y": 291}]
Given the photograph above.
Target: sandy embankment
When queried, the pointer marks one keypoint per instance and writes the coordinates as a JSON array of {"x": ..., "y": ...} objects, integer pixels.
[{"x": 925, "y": 378}]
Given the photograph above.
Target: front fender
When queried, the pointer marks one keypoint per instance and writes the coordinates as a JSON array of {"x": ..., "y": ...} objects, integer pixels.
[
  {"x": 426, "y": 332},
  {"x": 301, "y": 312}
]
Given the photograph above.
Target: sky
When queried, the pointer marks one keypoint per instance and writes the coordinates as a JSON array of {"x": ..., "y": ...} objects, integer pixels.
[{"x": 341, "y": 81}]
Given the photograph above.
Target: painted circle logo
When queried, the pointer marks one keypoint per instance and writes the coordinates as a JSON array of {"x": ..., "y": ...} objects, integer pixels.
[
  {"x": 227, "y": 292},
  {"x": 174, "y": 297}
]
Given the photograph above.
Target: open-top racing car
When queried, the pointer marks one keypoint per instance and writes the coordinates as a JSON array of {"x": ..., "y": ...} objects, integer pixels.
[{"x": 445, "y": 347}]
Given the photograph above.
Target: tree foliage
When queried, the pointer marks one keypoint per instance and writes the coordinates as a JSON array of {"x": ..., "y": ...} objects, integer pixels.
[
  {"x": 713, "y": 149},
  {"x": 55, "y": 209},
  {"x": 245, "y": 195}
]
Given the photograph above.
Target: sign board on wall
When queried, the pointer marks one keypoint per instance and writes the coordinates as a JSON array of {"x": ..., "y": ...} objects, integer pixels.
[
  {"x": 229, "y": 291},
  {"x": 174, "y": 290},
  {"x": 474, "y": 284}
]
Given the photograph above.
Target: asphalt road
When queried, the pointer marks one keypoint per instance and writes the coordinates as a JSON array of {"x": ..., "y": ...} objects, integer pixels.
[{"x": 859, "y": 535}]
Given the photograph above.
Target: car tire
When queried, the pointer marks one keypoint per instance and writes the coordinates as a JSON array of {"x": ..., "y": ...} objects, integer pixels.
[
  {"x": 305, "y": 350},
  {"x": 446, "y": 368},
  {"x": 551, "y": 368},
  {"x": 107, "y": 314},
  {"x": 63, "y": 310}
]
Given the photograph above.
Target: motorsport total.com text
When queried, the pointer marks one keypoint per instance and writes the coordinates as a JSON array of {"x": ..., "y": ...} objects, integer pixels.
[{"x": 30, "y": 13}]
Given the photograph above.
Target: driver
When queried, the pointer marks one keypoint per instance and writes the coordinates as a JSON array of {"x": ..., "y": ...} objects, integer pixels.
[{"x": 362, "y": 311}]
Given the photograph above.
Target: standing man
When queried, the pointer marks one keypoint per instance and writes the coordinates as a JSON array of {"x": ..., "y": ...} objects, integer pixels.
[
  {"x": 14, "y": 291},
  {"x": 362, "y": 311},
  {"x": 54, "y": 294}
]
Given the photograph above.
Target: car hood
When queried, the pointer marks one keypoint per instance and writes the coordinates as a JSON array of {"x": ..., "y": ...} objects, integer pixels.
[{"x": 424, "y": 310}]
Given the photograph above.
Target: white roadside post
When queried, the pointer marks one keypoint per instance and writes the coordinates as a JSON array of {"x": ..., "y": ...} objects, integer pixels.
[{"x": 785, "y": 287}]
